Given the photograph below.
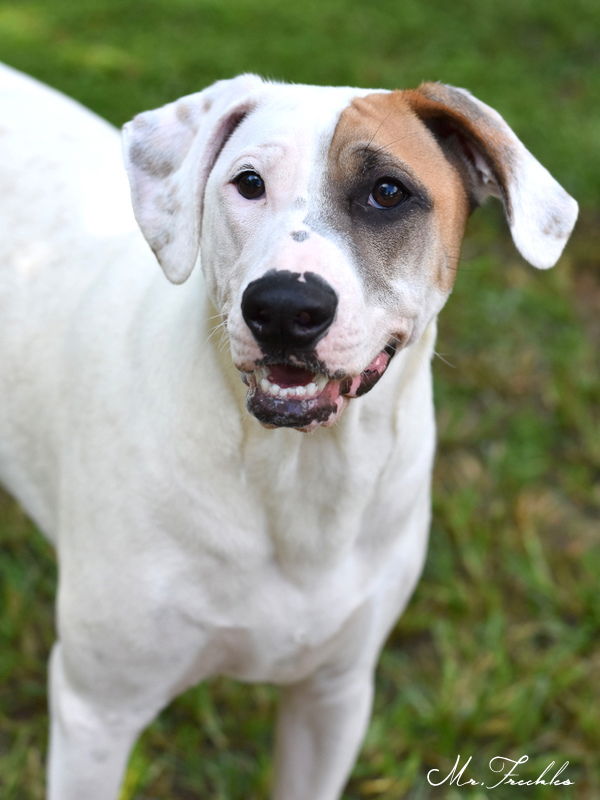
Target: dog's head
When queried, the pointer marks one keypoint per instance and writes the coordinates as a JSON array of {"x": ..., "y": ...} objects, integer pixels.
[{"x": 329, "y": 222}]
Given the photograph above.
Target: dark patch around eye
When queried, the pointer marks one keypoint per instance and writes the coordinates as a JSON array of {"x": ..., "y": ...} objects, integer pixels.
[{"x": 377, "y": 237}]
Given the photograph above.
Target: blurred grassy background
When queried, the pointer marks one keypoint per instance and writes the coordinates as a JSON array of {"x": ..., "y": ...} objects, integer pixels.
[{"x": 498, "y": 653}]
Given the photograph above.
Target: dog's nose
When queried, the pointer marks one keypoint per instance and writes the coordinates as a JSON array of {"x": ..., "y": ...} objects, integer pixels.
[{"x": 289, "y": 310}]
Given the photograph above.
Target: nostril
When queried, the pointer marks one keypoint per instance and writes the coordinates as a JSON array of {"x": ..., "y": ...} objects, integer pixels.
[
  {"x": 304, "y": 319},
  {"x": 262, "y": 316},
  {"x": 258, "y": 318}
]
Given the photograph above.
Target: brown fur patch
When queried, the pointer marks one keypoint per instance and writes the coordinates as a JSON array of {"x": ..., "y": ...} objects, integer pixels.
[
  {"x": 387, "y": 125},
  {"x": 451, "y": 110}
]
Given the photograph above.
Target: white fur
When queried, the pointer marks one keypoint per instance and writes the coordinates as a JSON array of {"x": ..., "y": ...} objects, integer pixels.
[{"x": 192, "y": 542}]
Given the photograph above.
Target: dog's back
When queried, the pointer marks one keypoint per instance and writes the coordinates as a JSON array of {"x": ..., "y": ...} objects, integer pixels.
[
  {"x": 59, "y": 164},
  {"x": 65, "y": 209}
]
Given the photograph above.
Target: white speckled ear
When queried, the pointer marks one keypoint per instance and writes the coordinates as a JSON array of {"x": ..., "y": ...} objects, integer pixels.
[
  {"x": 540, "y": 213},
  {"x": 169, "y": 153}
]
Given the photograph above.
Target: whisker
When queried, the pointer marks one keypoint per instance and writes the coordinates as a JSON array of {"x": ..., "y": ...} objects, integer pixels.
[
  {"x": 376, "y": 131},
  {"x": 441, "y": 357},
  {"x": 220, "y": 327},
  {"x": 396, "y": 340},
  {"x": 223, "y": 345},
  {"x": 382, "y": 147}
]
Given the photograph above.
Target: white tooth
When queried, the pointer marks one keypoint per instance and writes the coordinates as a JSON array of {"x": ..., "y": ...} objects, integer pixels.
[
  {"x": 265, "y": 385},
  {"x": 300, "y": 391},
  {"x": 276, "y": 389},
  {"x": 310, "y": 389},
  {"x": 321, "y": 382},
  {"x": 284, "y": 392}
]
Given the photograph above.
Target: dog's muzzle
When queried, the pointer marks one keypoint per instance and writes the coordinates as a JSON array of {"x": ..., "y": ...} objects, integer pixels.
[{"x": 288, "y": 313}]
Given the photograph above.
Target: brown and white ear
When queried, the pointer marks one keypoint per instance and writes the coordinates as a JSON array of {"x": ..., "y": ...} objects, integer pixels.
[
  {"x": 540, "y": 213},
  {"x": 169, "y": 154}
]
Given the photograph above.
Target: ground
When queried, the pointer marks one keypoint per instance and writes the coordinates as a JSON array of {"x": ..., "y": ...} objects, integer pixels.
[{"x": 498, "y": 652}]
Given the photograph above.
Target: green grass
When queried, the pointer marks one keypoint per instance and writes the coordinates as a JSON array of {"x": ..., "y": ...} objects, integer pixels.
[{"x": 498, "y": 653}]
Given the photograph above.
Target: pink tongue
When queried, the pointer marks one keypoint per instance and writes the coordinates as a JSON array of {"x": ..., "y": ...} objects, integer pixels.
[{"x": 285, "y": 376}]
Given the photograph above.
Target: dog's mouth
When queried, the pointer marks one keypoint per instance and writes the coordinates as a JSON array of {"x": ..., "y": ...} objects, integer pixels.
[{"x": 288, "y": 396}]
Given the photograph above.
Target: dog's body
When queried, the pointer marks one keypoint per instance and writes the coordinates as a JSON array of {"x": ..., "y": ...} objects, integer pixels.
[{"x": 192, "y": 541}]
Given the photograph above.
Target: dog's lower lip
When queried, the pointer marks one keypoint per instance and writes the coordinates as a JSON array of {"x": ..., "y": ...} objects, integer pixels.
[
  {"x": 289, "y": 396},
  {"x": 363, "y": 383}
]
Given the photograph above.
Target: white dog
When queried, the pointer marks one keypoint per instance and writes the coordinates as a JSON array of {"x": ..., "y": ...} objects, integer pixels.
[{"x": 194, "y": 540}]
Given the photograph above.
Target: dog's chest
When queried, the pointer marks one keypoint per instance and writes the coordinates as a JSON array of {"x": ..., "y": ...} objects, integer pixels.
[
  {"x": 299, "y": 553},
  {"x": 255, "y": 623},
  {"x": 279, "y": 630}
]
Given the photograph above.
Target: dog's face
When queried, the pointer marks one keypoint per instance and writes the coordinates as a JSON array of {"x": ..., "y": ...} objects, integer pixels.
[
  {"x": 329, "y": 222},
  {"x": 329, "y": 240}
]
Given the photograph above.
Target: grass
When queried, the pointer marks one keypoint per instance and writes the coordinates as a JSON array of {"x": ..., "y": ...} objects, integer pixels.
[{"x": 498, "y": 653}]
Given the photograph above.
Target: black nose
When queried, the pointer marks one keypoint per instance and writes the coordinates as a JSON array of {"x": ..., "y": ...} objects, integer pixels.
[{"x": 289, "y": 311}]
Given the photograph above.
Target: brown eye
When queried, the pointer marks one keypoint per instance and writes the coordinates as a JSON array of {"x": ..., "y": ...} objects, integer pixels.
[
  {"x": 250, "y": 185},
  {"x": 387, "y": 193}
]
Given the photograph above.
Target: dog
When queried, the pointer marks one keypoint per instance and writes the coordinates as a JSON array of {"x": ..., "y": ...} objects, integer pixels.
[{"x": 234, "y": 464}]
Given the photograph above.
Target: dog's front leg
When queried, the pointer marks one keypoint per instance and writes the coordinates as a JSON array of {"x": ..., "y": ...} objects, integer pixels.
[
  {"x": 89, "y": 742},
  {"x": 320, "y": 727}
]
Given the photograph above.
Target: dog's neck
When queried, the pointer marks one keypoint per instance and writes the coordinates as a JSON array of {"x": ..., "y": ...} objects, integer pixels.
[{"x": 325, "y": 472}]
